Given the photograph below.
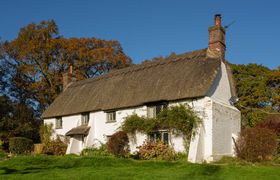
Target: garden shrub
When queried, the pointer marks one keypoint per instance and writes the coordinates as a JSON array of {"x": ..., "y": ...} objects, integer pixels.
[
  {"x": 96, "y": 151},
  {"x": 2, "y": 152},
  {"x": 118, "y": 144},
  {"x": 55, "y": 147},
  {"x": 181, "y": 156},
  {"x": 272, "y": 122},
  {"x": 1, "y": 145},
  {"x": 156, "y": 150},
  {"x": 45, "y": 131},
  {"x": 20, "y": 145},
  {"x": 256, "y": 144}
]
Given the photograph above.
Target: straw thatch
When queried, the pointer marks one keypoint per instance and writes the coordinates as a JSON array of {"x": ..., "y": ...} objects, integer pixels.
[
  {"x": 189, "y": 75},
  {"x": 80, "y": 130}
]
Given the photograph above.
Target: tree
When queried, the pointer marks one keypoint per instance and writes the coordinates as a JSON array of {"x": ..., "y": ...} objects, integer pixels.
[
  {"x": 17, "y": 120},
  {"x": 258, "y": 91},
  {"x": 35, "y": 61},
  {"x": 31, "y": 68},
  {"x": 274, "y": 83}
]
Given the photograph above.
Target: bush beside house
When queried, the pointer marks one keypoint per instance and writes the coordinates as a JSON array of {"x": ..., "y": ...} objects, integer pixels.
[
  {"x": 272, "y": 122},
  {"x": 118, "y": 144},
  {"x": 256, "y": 144},
  {"x": 20, "y": 145},
  {"x": 55, "y": 147},
  {"x": 156, "y": 150}
]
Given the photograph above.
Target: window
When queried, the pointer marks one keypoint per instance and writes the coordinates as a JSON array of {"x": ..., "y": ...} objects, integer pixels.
[
  {"x": 154, "y": 110},
  {"x": 159, "y": 136},
  {"x": 58, "y": 123},
  {"x": 85, "y": 118},
  {"x": 111, "y": 116}
]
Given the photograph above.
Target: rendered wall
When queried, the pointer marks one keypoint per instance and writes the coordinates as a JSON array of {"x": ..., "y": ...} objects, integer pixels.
[
  {"x": 220, "y": 90},
  {"x": 102, "y": 129},
  {"x": 201, "y": 144},
  {"x": 68, "y": 122},
  {"x": 221, "y": 122},
  {"x": 226, "y": 124}
]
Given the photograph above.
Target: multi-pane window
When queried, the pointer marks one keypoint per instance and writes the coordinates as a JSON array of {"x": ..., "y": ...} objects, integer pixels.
[
  {"x": 85, "y": 118},
  {"x": 111, "y": 116},
  {"x": 58, "y": 123},
  {"x": 154, "y": 110},
  {"x": 159, "y": 136}
]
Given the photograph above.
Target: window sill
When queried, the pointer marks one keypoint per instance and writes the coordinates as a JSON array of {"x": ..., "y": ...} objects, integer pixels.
[{"x": 110, "y": 122}]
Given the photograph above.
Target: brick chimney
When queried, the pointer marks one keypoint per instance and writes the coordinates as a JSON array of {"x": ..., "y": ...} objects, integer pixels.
[
  {"x": 67, "y": 78},
  {"x": 217, "y": 44}
]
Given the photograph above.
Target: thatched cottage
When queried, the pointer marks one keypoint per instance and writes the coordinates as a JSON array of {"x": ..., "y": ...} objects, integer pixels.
[{"x": 90, "y": 111}]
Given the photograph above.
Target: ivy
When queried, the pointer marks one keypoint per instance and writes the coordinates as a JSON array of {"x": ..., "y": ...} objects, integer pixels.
[{"x": 178, "y": 119}]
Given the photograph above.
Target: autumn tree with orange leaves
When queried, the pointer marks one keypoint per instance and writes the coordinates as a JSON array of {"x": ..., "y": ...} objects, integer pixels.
[{"x": 36, "y": 59}]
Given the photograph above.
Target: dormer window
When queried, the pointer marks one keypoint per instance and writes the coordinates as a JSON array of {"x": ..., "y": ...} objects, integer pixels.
[
  {"x": 58, "y": 123},
  {"x": 155, "y": 109},
  {"x": 111, "y": 116},
  {"x": 85, "y": 118}
]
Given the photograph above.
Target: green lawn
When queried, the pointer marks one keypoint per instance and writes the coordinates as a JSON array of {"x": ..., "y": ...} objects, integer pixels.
[{"x": 74, "y": 167}]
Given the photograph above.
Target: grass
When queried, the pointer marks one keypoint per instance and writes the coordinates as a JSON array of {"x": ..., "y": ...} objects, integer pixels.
[{"x": 75, "y": 167}]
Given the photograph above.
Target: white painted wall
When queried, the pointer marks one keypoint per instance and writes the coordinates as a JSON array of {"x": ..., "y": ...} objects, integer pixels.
[
  {"x": 201, "y": 144},
  {"x": 68, "y": 122},
  {"x": 221, "y": 122},
  {"x": 226, "y": 124},
  {"x": 220, "y": 90},
  {"x": 101, "y": 129}
]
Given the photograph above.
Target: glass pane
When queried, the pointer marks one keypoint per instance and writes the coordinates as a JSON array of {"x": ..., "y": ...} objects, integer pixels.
[
  {"x": 111, "y": 116},
  {"x": 166, "y": 138},
  {"x": 158, "y": 109},
  {"x": 151, "y": 112},
  {"x": 114, "y": 116},
  {"x": 58, "y": 123},
  {"x": 85, "y": 118},
  {"x": 151, "y": 137},
  {"x": 158, "y": 136}
]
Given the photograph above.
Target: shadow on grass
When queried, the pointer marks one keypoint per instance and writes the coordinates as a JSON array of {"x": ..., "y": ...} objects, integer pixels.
[
  {"x": 210, "y": 170},
  {"x": 6, "y": 170}
]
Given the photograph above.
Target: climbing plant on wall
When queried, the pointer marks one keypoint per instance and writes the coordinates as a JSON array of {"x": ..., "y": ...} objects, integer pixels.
[{"x": 177, "y": 119}]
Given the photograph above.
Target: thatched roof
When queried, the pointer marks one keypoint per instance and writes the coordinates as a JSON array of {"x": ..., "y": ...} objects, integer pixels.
[
  {"x": 80, "y": 130},
  {"x": 188, "y": 75}
]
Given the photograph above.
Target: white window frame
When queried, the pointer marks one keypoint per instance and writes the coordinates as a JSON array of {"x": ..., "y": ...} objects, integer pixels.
[
  {"x": 152, "y": 110},
  {"x": 111, "y": 117},
  {"x": 58, "y": 123},
  {"x": 85, "y": 118},
  {"x": 162, "y": 138}
]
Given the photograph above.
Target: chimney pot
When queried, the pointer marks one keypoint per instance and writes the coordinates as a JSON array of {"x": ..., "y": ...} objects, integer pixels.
[
  {"x": 218, "y": 19},
  {"x": 68, "y": 77}
]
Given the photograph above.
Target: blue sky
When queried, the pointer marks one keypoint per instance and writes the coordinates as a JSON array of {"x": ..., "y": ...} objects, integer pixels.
[{"x": 150, "y": 28}]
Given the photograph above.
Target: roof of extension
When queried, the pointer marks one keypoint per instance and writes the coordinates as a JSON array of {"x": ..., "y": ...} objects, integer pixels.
[
  {"x": 80, "y": 130},
  {"x": 183, "y": 76}
]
